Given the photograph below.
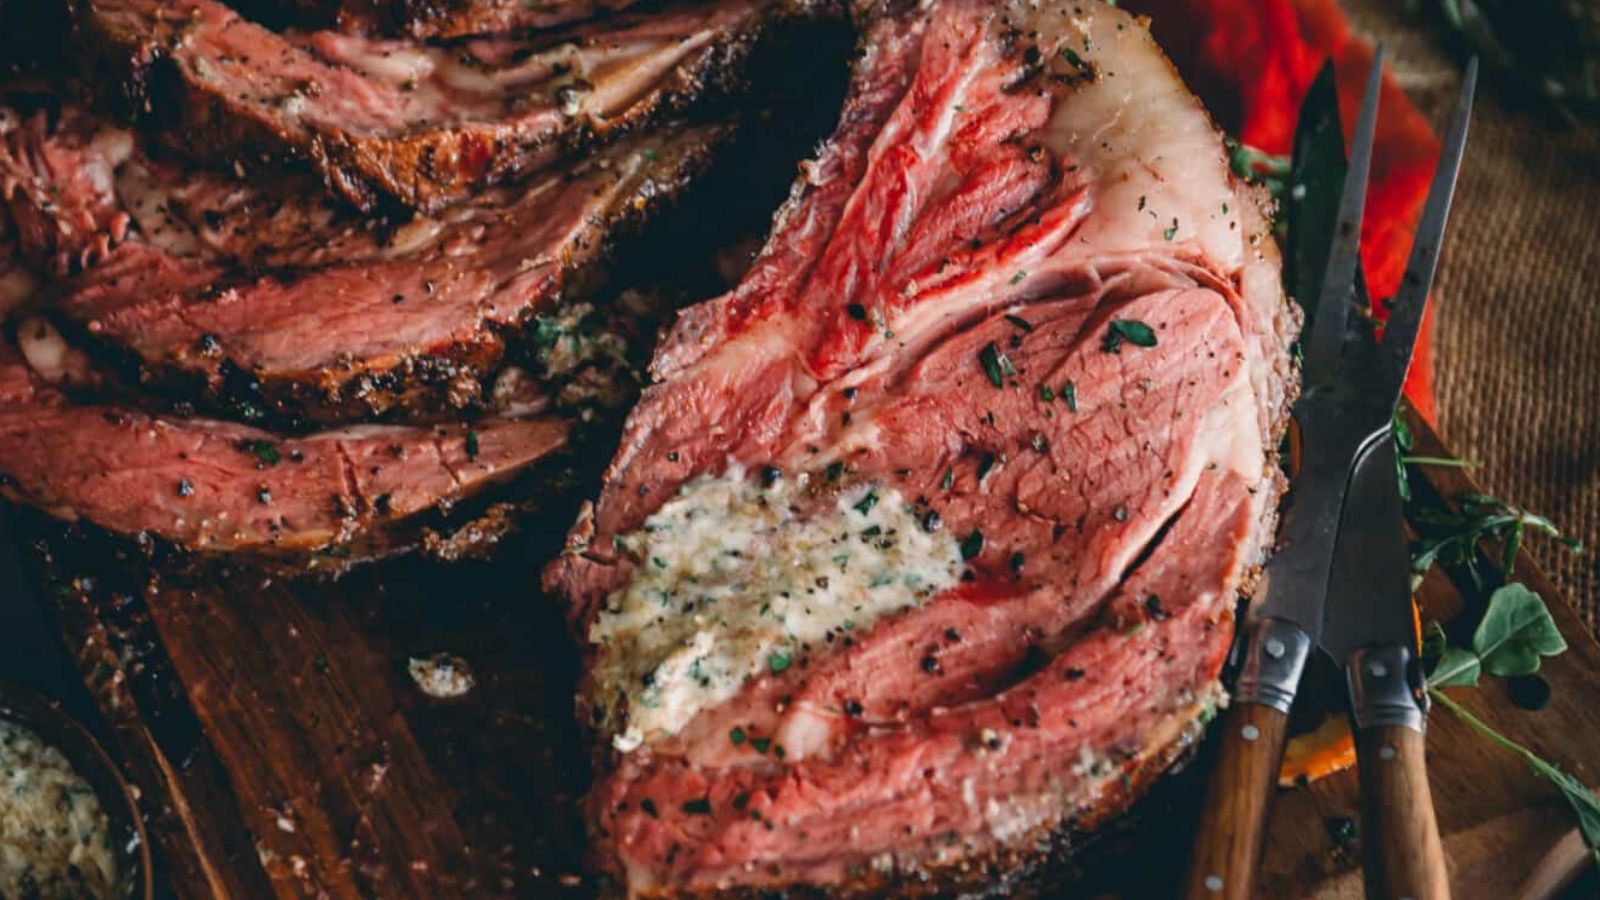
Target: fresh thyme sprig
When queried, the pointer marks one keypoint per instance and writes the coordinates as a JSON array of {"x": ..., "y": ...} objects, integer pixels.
[
  {"x": 1404, "y": 443},
  {"x": 1453, "y": 538}
]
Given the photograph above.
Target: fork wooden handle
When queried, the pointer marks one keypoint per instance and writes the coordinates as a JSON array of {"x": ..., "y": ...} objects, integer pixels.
[
  {"x": 1227, "y": 850},
  {"x": 1400, "y": 838}
]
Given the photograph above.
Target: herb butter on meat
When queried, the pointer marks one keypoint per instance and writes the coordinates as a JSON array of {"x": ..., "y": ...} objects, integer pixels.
[{"x": 736, "y": 579}]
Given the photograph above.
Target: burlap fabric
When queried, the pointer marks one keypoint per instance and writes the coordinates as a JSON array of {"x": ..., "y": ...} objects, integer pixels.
[{"x": 1518, "y": 299}]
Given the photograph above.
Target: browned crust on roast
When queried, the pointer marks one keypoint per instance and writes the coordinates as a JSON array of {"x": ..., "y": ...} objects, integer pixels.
[
  {"x": 1022, "y": 867},
  {"x": 438, "y": 383},
  {"x": 425, "y": 170}
]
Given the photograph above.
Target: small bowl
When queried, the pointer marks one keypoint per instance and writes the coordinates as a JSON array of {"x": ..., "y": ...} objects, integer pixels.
[{"x": 130, "y": 843}]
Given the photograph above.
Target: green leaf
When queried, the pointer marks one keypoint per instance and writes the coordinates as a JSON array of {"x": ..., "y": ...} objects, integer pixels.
[
  {"x": 1455, "y": 666},
  {"x": 1130, "y": 330},
  {"x": 1584, "y": 805},
  {"x": 1516, "y": 632},
  {"x": 989, "y": 357},
  {"x": 972, "y": 544},
  {"x": 1069, "y": 395}
]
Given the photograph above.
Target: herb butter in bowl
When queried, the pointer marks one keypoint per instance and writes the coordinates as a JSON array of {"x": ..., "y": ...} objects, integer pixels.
[{"x": 68, "y": 824}]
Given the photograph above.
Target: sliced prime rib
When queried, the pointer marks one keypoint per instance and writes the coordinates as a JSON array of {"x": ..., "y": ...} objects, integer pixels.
[
  {"x": 926, "y": 544},
  {"x": 210, "y": 486},
  {"x": 430, "y": 18},
  {"x": 419, "y": 123},
  {"x": 273, "y": 303}
]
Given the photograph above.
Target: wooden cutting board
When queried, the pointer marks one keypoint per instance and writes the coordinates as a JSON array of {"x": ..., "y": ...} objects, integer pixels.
[{"x": 282, "y": 749}]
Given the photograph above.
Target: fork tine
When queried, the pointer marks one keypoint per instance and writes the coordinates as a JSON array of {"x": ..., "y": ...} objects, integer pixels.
[
  {"x": 1338, "y": 281},
  {"x": 1405, "y": 316}
]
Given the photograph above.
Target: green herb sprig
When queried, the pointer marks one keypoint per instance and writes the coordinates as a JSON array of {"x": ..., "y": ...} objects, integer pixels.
[
  {"x": 1259, "y": 167},
  {"x": 1453, "y": 538},
  {"x": 1517, "y": 632}
]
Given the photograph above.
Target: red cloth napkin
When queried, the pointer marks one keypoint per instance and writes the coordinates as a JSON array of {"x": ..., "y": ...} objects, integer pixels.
[{"x": 1252, "y": 61}]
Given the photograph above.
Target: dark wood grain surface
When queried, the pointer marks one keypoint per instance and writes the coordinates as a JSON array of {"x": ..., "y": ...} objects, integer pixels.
[{"x": 282, "y": 749}]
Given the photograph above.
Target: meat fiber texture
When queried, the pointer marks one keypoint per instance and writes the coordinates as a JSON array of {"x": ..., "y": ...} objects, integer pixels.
[
  {"x": 266, "y": 299},
  {"x": 398, "y": 120},
  {"x": 949, "y": 309},
  {"x": 210, "y": 485},
  {"x": 215, "y": 486},
  {"x": 430, "y": 18},
  {"x": 317, "y": 311}
]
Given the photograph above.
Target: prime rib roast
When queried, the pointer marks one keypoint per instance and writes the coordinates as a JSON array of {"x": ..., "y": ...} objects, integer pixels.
[
  {"x": 428, "y": 18},
  {"x": 1001, "y": 394},
  {"x": 397, "y": 119},
  {"x": 201, "y": 282},
  {"x": 213, "y": 485},
  {"x": 921, "y": 548}
]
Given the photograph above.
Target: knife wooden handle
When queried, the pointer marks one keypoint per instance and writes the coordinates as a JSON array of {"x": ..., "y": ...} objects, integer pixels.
[
  {"x": 1233, "y": 823},
  {"x": 1400, "y": 838}
]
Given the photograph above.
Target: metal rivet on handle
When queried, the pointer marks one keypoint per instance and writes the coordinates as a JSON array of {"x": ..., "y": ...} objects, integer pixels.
[
  {"x": 1214, "y": 884},
  {"x": 1386, "y": 753},
  {"x": 1378, "y": 669},
  {"x": 1275, "y": 648},
  {"x": 1250, "y": 732}
]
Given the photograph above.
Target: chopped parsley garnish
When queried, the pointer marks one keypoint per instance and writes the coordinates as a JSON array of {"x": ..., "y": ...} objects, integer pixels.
[
  {"x": 1020, "y": 322},
  {"x": 701, "y": 807},
  {"x": 266, "y": 452},
  {"x": 867, "y": 503},
  {"x": 736, "y": 736},
  {"x": 779, "y": 661},
  {"x": 949, "y": 479},
  {"x": 972, "y": 544},
  {"x": 1172, "y": 231},
  {"x": 995, "y": 364},
  {"x": 1130, "y": 330},
  {"x": 472, "y": 445},
  {"x": 985, "y": 466},
  {"x": 761, "y": 745},
  {"x": 1069, "y": 394},
  {"x": 1017, "y": 279},
  {"x": 1045, "y": 393},
  {"x": 857, "y": 311}
]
